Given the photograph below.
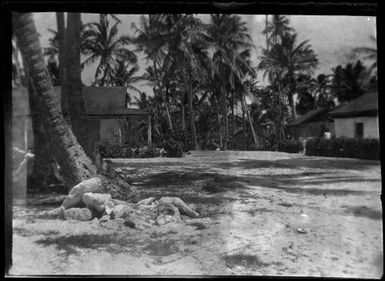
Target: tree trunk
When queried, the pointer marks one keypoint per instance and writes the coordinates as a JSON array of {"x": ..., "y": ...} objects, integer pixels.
[
  {"x": 244, "y": 129},
  {"x": 160, "y": 87},
  {"x": 219, "y": 124},
  {"x": 43, "y": 160},
  {"x": 73, "y": 84},
  {"x": 61, "y": 32},
  {"x": 255, "y": 138},
  {"x": 183, "y": 116},
  {"x": 192, "y": 122},
  {"x": 74, "y": 163},
  {"x": 224, "y": 112}
]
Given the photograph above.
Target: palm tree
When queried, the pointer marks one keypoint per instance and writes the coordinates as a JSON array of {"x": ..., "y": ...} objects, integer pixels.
[
  {"x": 287, "y": 59},
  {"x": 74, "y": 163},
  {"x": 369, "y": 53},
  {"x": 228, "y": 35},
  {"x": 100, "y": 42}
]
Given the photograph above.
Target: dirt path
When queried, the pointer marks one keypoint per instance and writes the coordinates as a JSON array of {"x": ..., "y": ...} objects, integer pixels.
[{"x": 272, "y": 214}]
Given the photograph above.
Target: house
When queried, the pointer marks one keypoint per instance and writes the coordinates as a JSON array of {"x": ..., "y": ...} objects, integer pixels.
[
  {"x": 314, "y": 123},
  {"x": 358, "y": 118},
  {"x": 106, "y": 107}
]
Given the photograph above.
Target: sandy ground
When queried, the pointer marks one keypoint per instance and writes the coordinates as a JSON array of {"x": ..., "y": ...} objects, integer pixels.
[{"x": 272, "y": 214}]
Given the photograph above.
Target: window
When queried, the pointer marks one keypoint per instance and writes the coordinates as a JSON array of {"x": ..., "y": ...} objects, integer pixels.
[{"x": 359, "y": 132}]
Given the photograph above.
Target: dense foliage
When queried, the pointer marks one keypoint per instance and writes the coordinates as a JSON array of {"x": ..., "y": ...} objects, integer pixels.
[
  {"x": 344, "y": 147},
  {"x": 116, "y": 150},
  {"x": 290, "y": 146}
]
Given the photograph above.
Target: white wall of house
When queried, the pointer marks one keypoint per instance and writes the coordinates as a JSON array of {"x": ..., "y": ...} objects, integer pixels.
[
  {"x": 110, "y": 130},
  {"x": 345, "y": 127}
]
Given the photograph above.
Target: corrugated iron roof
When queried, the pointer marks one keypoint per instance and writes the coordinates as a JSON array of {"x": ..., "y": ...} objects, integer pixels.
[
  {"x": 365, "y": 105},
  {"x": 308, "y": 117}
]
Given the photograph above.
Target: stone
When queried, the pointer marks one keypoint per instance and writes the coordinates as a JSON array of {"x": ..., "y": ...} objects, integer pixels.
[
  {"x": 104, "y": 218},
  {"x": 74, "y": 198},
  {"x": 119, "y": 202},
  {"x": 109, "y": 208},
  {"x": 146, "y": 201},
  {"x": 166, "y": 208},
  {"x": 121, "y": 211},
  {"x": 135, "y": 222},
  {"x": 183, "y": 208},
  {"x": 96, "y": 201},
  {"x": 167, "y": 213},
  {"x": 200, "y": 223},
  {"x": 79, "y": 214},
  {"x": 166, "y": 219},
  {"x": 57, "y": 213}
]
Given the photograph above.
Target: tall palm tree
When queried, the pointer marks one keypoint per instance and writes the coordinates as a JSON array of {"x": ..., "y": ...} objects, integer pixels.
[
  {"x": 370, "y": 54},
  {"x": 286, "y": 60},
  {"x": 101, "y": 42},
  {"x": 228, "y": 34},
  {"x": 75, "y": 165}
]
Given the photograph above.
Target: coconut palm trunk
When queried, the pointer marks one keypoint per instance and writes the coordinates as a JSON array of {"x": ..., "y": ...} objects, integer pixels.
[
  {"x": 192, "y": 121},
  {"x": 255, "y": 138},
  {"x": 73, "y": 84},
  {"x": 224, "y": 112},
  {"x": 74, "y": 163},
  {"x": 219, "y": 122},
  {"x": 61, "y": 32}
]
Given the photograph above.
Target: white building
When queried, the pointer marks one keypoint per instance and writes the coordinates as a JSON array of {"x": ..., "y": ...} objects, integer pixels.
[{"x": 358, "y": 118}]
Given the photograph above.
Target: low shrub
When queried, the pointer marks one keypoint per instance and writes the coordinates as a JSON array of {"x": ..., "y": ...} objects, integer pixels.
[
  {"x": 344, "y": 147},
  {"x": 116, "y": 150},
  {"x": 172, "y": 148},
  {"x": 290, "y": 146}
]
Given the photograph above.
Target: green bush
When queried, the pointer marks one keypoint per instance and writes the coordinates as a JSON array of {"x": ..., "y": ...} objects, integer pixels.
[
  {"x": 116, "y": 150},
  {"x": 173, "y": 148},
  {"x": 290, "y": 146},
  {"x": 344, "y": 147}
]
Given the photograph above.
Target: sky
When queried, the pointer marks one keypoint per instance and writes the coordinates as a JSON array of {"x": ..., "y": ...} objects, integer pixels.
[{"x": 331, "y": 37}]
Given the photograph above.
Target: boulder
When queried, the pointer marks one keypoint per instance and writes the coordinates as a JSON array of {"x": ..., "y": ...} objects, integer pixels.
[
  {"x": 183, "y": 208},
  {"x": 74, "y": 198},
  {"x": 121, "y": 211},
  {"x": 96, "y": 201},
  {"x": 104, "y": 218},
  {"x": 167, "y": 213},
  {"x": 133, "y": 221},
  {"x": 79, "y": 214},
  {"x": 57, "y": 213},
  {"x": 200, "y": 223},
  {"x": 109, "y": 208},
  {"x": 146, "y": 201},
  {"x": 166, "y": 219}
]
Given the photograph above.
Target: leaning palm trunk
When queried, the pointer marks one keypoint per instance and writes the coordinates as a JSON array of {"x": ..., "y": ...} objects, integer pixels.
[
  {"x": 74, "y": 163},
  {"x": 73, "y": 84}
]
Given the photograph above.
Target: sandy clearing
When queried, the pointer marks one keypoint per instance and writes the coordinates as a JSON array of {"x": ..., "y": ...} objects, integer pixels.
[{"x": 257, "y": 201}]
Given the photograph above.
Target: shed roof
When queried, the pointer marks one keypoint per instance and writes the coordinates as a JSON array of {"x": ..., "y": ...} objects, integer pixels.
[
  {"x": 365, "y": 105},
  {"x": 308, "y": 117}
]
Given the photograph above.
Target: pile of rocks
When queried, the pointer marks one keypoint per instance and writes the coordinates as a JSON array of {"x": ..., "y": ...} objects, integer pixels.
[{"x": 85, "y": 203}]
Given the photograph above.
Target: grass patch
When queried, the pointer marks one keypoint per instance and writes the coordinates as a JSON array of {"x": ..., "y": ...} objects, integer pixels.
[
  {"x": 71, "y": 243},
  {"x": 247, "y": 261},
  {"x": 161, "y": 248},
  {"x": 363, "y": 211}
]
